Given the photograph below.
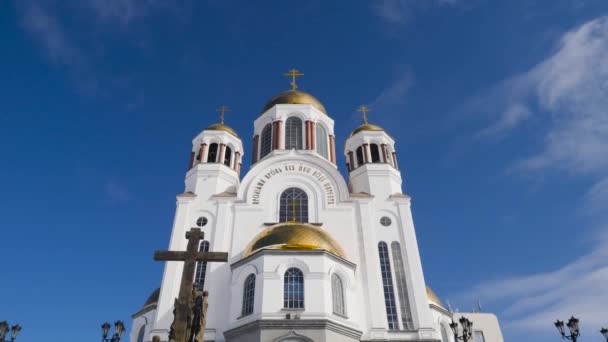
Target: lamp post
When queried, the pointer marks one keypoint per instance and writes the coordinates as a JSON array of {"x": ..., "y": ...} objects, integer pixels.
[
  {"x": 119, "y": 328},
  {"x": 467, "y": 329},
  {"x": 5, "y": 328},
  {"x": 604, "y": 333},
  {"x": 572, "y": 327}
]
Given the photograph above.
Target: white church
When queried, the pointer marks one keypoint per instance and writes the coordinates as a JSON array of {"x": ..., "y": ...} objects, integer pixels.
[{"x": 312, "y": 256}]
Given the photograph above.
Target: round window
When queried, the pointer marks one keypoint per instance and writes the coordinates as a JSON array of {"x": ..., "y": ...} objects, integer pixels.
[
  {"x": 201, "y": 221},
  {"x": 385, "y": 221}
]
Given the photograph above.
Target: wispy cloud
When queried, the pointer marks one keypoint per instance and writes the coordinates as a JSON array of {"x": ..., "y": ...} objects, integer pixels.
[
  {"x": 567, "y": 95},
  {"x": 51, "y": 36},
  {"x": 402, "y": 11},
  {"x": 395, "y": 92}
]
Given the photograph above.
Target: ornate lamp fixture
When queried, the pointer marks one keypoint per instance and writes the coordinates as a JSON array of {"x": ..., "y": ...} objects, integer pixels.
[
  {"x": 467, "y": 329},
  {"x": 572, "y": 327},
  {"x": 5, "y": 328},
  {"x": 119, "y": 328}
]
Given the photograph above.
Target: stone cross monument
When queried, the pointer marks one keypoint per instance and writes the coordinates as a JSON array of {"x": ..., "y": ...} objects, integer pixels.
[{"x": 190, "y": 306}]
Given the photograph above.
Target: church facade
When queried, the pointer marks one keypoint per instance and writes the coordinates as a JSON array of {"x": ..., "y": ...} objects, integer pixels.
[{"x": 312, "y": 256}]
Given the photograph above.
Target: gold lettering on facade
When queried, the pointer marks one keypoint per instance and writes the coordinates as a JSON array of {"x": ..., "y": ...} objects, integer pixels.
[{"x": 316, "y": 174}]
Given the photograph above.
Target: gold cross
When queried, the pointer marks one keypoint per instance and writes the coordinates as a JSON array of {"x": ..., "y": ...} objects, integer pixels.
[
  {"x": 293, "y": 73},
  {"x": 364, "y": 110},
  {"x": 293, "y": 210},
  {"x": 222, "y": 110}
]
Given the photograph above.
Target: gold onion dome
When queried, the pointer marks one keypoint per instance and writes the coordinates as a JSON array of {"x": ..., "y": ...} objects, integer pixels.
[
  {"x": 363, "y": 109},
  {"x": 294, "y": 236},
  {"x": 294, "y": 96},
  {"x": 220, "y": 126},
  {"x": 433, "y": 298},
  {"x": 367, "y": 127}
]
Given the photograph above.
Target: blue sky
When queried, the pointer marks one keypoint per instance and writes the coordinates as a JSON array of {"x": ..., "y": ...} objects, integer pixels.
[{"x": 499, "y": 109}]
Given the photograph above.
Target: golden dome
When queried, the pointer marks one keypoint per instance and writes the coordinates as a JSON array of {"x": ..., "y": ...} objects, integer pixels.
[
  {"x": 222, "y": 127},
  {"x": 294, "y": 97},
  {"x": 430, "y": 294},
  {"x": 367, "y": 127},
  {"x": 293, "y": 236}
]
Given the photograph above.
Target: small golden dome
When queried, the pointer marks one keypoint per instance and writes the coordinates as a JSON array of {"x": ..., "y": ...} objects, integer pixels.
[
  {"x": 293, "y": 236},
  {"x": 222, "y": 127},
  {"x": 294, "y": 97},
  {"x": 367, "y": 127},
  {"x": 433, "y": 297}
]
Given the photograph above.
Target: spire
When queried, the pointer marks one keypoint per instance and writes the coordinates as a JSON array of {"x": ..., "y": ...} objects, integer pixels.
[
  {"x": 293, "y": 73},
  {"x": 363, "y": 109},
  {"x": 222, "y": 110}
]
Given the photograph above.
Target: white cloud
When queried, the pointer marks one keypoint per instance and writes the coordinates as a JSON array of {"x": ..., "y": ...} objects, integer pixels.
[
  {"x": 402, "y": 11},
  {"x": 567, "y": 94},
  {"x": 49, "y": 33}
]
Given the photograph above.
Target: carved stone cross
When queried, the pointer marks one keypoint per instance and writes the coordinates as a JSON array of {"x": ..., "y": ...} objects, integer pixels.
[{"x": 185, "y": 301}]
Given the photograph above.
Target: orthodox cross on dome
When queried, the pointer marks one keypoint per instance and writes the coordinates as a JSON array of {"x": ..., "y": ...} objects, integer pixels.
[
  {"x": 363, "y": 109},
  {"x": 293, "y": 211},
  {"x": 222, "y": 110},
  {"x": 190, "y": 309},
  {"x": 293, "y": 73}
]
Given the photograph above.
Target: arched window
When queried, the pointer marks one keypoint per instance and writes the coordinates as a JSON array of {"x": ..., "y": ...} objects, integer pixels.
[
  {"x": 337, "y": 295},
  {"x": 359, "y": 156},
  {"x": 140, "y": 335},
  {"x": 444, "y": 334},
  {"x": 404, "y": 302},
  {"x": 387, "y": 284},
  {"x": 212, "y": 155},
  {"x": 322, "y": 141},
  {"x": 201, "y": 267},
  {"x": 248, "y": 295},
  {"x": 375, "y": 151},
  {"x": 293, "y": 133},
  {"x": 293, "y": 289},
  {"x": 228, "y": 156},
  {"x": 266, "y": 141},
  {"x": 293, "y": 206}
]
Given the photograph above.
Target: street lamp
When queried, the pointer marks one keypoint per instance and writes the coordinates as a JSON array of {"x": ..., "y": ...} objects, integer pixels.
[
  {"x": 4, "y": 329},
  {"x": 119, "y": 328},
  {"x": 572, "y": 327},
  {"x": 604, "y": 333},
  {"x": 467, "y": 329}
]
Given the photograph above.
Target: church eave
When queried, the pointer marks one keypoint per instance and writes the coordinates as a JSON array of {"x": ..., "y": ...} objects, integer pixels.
[{"x": 263, "y": 252}]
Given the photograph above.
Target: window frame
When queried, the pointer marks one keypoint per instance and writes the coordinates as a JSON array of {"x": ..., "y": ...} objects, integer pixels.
[
  {"x": 337, "y": 295},
  {"x": 266, "y": 140},
  {"x": 293, "y": 289},
  {"x": 294, "y": 133},
  {"x": 248, "y": 295}
]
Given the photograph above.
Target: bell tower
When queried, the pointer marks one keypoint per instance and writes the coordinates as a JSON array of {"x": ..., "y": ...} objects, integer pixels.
[
  {"x": 215, "y": 160},
  {"x": 371, "y": 160}
]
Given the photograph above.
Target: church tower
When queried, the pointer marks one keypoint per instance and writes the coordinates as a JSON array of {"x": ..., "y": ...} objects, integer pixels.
[
  {"x": 371, "y": 160},
  {"x": 311, "y": 257}
]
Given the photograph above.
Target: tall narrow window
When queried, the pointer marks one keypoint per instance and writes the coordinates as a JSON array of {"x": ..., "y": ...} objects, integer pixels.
[
  {"x": 337, "y": 295},
  {"x": 212, "y": 155},
  {"x": 293, "y": 133},
  {"x": 140, "y": 335},
  {"x": 444, "y": 334},
  {"x": 478, "y": 336},
  {"x": 293, "y": 206},
  {"x": 322, "y": 141},
  {"x": 375, "y": 151},
  {"x": 404, "y": 303},
  {"x": 228, "y": 156},
  {"x": 387, "y": 284},
  {"x": 293, "y": 289},
  {"x": 248, "y": 295},
  {"x": 201, "y": 267},
  {"x": 359, "y": 156},
  {"x": 266, "y": 141}
]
